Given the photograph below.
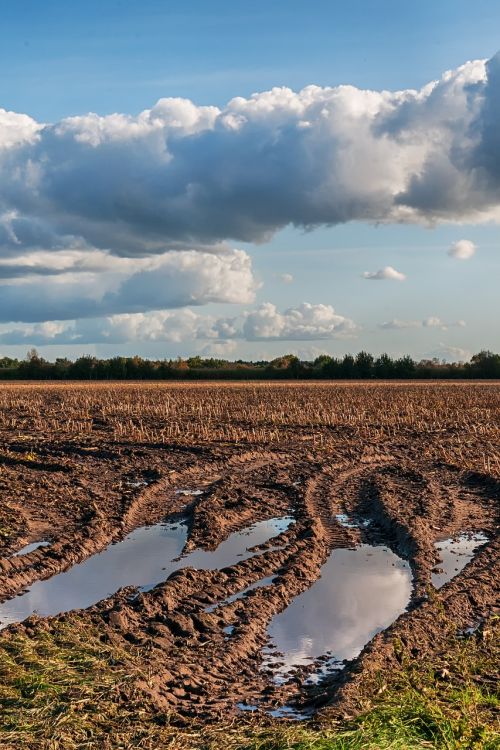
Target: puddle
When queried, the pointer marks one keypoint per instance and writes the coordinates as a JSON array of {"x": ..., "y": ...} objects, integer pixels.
[
  {"x": 282, "y": 712},
  {"x": 352, "y": 523},
  {"x": 472, "y": 629},
  {"x": 30, "y": 548},
  {"x": 455, "y": 553},
  {"x": 234, "y": 598},
  {"x": 238, "y": 546},
  {"x": 360, "y": 592},
  {"x": 136, "y": 482},
  {"x": 288, "y": 712},
  {"x": 144, "y": 558},
  {"x": 326, "y": 669}
]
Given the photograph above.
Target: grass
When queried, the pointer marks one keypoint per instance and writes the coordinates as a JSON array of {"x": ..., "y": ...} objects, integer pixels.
[{"x": 66, "y": 690}]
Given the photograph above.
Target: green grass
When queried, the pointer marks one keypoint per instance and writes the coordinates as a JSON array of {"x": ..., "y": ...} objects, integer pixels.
[{"x": 66, "y": 690}]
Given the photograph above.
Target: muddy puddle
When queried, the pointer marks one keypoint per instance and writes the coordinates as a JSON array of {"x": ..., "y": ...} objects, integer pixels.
[
  {"x": 455, "y": 553},
  {"x": 360, "y": 592},
  {"x": 282, "y": 712},
  {"x": 31, "y": 547},
  {"x": 351, "y": 522},
  {"x": 144, "y": 558},
  {"x": 241, "y": 594}
]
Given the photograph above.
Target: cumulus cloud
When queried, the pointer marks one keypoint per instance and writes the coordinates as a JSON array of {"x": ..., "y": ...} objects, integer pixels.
[
  {"x": 17, "y": 130},
  {"x": 286, "y": 278},
  {"x": 220, "y": 349},
  {"x": 431, "y": 322},
  {"x": 462, "y": 250},
  {"x": 169, "y": 326},
  {"x": 395, "y": 324},
  {"x": 80, "y": 284},
  {"x": 217, "y": 335},
  {"x": 302, "y": 323},
  {"x": 178, "y": 171},
  {"x": 452, "y": 353},
  {"x": 383, "y": 274},
  {"x": 434, "y": 322},
  {"x": 83, "y": 199}
]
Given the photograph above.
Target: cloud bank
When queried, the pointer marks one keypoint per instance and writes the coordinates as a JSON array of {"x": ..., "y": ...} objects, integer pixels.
[
  {"x": 126, "y": 214},
  {"x": 84, "y": 284},
  {"x": 432, "y": 322},
  {"x": 318, "y": 156},
  {"x": 306, "y": 322},
  {"x": 303, "y": 323}
]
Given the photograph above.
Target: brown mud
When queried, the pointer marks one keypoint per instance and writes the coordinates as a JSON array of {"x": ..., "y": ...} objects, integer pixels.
[{"x": 82, "y": 466}]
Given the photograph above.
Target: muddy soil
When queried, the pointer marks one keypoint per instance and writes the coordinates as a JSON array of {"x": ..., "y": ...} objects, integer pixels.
[{"x": 406, "y": 465}]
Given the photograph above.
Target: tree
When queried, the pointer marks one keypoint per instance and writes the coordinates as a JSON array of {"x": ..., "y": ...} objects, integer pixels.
[
  {"x": 7, "y": 363},
  {"x": 364, "y": 365},
  {"x": 485, "y": 365},
  {"x": 84, "y": 368},
  {"x": 383, "y": 367},
  {"x": 405, "y": 367},
  {"x": 347, "y": 367},
  {"x": 33, "y": 356}
]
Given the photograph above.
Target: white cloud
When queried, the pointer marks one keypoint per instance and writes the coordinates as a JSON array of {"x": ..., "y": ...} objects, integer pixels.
[
  {"x": 395, "y": 324},
  {"x": 87, "y": 284},
  {"x": 171, "y": 326},
  {"x": 286, "y": 278},
  {"x": 430, "y": 322},
  {"x": 17, "y": 130},
  {"x": 462, "y": 250},
  {"x": 452, "y": 353},
  {"x": 309, "y": 353},
  {"x": 218, "y": 335},
  {"x": 182, "y": 172},
  {"x": 88, "y": 203},
  {"x": 384, "y": 273},
  {"x": 219, "y": 349},
  {"x": 302, "y": 323}
]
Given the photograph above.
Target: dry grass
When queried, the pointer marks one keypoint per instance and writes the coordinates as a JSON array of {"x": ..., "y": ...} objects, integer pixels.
[{"x": 67, "y": 690}]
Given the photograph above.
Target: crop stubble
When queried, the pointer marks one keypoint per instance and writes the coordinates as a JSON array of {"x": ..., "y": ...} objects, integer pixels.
[{"x": 83, "y": 465}]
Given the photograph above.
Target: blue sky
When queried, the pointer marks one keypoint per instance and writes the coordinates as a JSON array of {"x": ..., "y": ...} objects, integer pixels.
[
  {"x": 65, "y": 59},
  {"x": 121, "y": 56}
]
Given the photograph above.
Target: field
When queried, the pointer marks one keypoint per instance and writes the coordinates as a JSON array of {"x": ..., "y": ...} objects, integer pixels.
[{"x": 186, "y": 663}]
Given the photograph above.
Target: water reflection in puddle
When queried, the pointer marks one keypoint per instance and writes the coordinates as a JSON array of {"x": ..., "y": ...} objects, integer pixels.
[
  {"x": 143, "y": 559},
  {"x": 455, "y": 553},
  {"x": 289, "y": 712},
  {"x": 257, "y": 585},
  {"x": 352, "y": 523},
  {"x": 30, "y": 548},
  {"x": 361, "y": 592},
  {"x": 237, "y": 547}
]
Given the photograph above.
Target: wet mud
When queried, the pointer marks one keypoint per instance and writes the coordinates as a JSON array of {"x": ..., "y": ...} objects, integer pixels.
[{"x": 267, "y": 572}]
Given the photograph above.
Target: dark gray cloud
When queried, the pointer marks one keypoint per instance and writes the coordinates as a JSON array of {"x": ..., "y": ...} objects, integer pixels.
[{"x": 487, "y": 153}]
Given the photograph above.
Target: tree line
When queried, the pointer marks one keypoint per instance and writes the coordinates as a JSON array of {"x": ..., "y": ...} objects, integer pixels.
[{"x": 363, "y": 366}]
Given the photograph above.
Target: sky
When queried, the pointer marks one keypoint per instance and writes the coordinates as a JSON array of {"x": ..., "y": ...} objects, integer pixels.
[{"x": 246, "y": 180}]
